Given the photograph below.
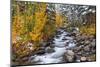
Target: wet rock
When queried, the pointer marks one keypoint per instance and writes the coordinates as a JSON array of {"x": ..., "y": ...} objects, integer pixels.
[
  {"x": 87, "y": 48},
  {"x": 82, "y": 42},
  {"x": 87, "y": 42},
  {"x": 83, "y": 59},
  {"x": 86, "y": 53},
  {"x": 91, "y": 58},
  {"x": 58, "y": 32},
  {"x": 57, "y": 36},
  {"x": 43, "y": 44},
  {"x": 76, "y": 49},
  {"x": 81, "y": 38},
  {"x": 52, "y": 46},
  {"x": 73, "y": 34},
  {"x": 68, "y": 38},
  {"x": 93, "y": 51},
  {"x": 70, "y": 52},
  {"x": 32, "y": 59},
  {"x": 49, "y": 50},
  {"x": 25, "y": 59},
  {"x": 64, "y": 39},
  {"x": 69, "y": 56},
  {"x": 79, "y": 53},
  {"x": 48, "y": 44},
  {"x": 74, "y": 41},
  {"x": 77, "y": 58},
  {"x": 68, "y": 35},
  {"x": 91, "y": 37},
  {"x": 40, "y": 52},
  {"x": 93, "y": 44}
]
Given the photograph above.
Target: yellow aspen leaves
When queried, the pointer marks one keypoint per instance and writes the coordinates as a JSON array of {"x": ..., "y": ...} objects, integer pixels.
[
  {"x": 59, "y": 20},
  {"x": 40, "y": 21},
  {"x": 32, "y": 24}
]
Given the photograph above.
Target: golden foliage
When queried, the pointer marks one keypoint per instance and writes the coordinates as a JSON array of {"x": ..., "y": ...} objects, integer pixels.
[
  {"x": 32, "y": 25},
  {"x": 17, "y": 26},
  {"x": 21, "y": 49},
  {"x": 88, "y": 29},
  {"x": 40, "y": 21},
  {"x": 59, "y": 20}
]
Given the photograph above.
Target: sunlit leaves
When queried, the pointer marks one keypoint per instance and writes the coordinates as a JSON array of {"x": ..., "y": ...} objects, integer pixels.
[
  {"x": 40, "y": 21},
  {"x": 59, "y": 20},
  {"x": 88, "y": 29},
  {"x": 32, "y": 22}
]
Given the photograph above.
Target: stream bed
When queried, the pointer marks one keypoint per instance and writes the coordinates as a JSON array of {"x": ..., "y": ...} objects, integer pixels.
[{"x": 62, "y": 42}]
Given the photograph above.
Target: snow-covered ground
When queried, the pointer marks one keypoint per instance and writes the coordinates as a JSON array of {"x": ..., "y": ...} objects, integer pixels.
[{"x": 62, "y": 43}]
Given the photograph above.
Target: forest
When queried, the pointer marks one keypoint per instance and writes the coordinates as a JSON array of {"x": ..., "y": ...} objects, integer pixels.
[{"x": 49, "y": 33}]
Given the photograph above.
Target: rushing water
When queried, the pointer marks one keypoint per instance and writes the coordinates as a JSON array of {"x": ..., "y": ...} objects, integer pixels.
[{"x": 61, "y": 42}]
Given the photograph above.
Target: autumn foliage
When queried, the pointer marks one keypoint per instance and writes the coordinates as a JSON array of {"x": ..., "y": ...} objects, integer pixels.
[{"x": 30, "y": 24}]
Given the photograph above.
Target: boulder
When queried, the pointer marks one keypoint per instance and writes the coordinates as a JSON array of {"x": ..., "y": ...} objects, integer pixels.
[
  {"x": 40, "y": 52},
  {"x": 87, "y": 42},
  {"x": 93, "y": 44},
  {"x": 87, "y": 48},
  {"x": 49, "y": 50},
  {"x": 69, "y": 56},
  {"x": 83, "y": 59}
]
